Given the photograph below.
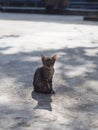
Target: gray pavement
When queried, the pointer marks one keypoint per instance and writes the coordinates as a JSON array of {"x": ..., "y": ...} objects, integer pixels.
[{"x": 23, "y": 37}]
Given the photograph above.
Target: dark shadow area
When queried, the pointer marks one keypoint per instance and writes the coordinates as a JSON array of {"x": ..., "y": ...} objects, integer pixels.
[
  {"x": 22, "y": 69},
  {"x": 46, "y": 18},
  {"x": 44, "y": 101},
  {"x": 16, "y": 118},
  {"x": 4, "y": 48},
  {"x": 88, "y": 107},
  {"x": 22, "y": 66},
  {"x": 76, "y": 68},
  {"x": 9, "y": 36},
  {"x": 71, "y": 60}
]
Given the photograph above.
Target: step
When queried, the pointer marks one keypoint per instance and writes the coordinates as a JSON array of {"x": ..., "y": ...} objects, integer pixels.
[
  {"x": 66, "y": 11},
  {"x": 87, "y": 5}
]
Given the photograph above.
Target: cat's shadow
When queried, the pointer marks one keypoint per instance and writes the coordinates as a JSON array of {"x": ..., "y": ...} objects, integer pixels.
[{"x": 43, "y": 101}]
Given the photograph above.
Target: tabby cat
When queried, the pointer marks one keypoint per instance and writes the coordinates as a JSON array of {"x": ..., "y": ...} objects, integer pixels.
[{"x": 43, "y": 76}]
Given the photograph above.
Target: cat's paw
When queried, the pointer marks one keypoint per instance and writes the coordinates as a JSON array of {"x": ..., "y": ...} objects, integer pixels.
[{"x": 52, "y": 92}]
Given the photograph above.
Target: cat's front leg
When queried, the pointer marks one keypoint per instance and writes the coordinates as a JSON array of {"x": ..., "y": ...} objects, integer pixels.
[{"x": 50, "y": 84}]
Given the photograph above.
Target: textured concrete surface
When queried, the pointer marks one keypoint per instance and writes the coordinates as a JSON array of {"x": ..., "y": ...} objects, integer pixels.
[{"x": 23, "y": 37}]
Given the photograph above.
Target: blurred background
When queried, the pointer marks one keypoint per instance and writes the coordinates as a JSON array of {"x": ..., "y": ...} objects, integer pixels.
[{"x": 88, "y": 4}]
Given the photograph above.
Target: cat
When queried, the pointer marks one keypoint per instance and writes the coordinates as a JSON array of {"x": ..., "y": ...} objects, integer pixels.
[{"x": 43, "y": 76}]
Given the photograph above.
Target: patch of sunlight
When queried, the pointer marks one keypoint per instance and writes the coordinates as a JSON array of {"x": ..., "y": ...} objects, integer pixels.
[
  {"x": 93, "y": 84},
  {"x": 4, "y": 99},
  {"x": 91, "y": 52},
  {"x": 11, "y": 51},
  {"x": 31, "y": 59},
  {"x": 54, "y": 115},
  {"x": 76, "y": 71},
  {"x": 80, "y": 70}
]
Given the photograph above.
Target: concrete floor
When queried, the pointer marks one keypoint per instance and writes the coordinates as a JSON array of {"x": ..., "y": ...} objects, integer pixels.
[{"x": 23, "y": 37}]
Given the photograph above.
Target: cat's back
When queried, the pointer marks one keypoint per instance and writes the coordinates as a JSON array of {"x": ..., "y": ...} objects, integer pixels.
[
  {"x": 38, "y": 72},
  {"x": 37, "y": 75}
]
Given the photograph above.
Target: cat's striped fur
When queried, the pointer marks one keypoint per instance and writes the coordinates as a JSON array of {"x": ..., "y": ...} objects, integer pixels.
[{"x": 43, "y": 76}]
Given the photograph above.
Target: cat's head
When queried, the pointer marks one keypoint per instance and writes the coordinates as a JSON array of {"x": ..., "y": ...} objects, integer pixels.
[{"x": 48, "y": 63}]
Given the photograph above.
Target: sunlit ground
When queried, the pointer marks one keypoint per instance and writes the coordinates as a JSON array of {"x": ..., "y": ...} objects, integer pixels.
[{"x": 23, "y": 37}]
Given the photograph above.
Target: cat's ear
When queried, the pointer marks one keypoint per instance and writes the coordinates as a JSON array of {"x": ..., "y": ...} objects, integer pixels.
[
  {"x": 43, "y": 57},
  {"x": 54, "y": 57}
]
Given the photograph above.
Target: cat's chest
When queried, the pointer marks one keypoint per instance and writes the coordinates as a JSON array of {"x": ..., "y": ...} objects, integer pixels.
[{"x": 47, "y": 74}]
